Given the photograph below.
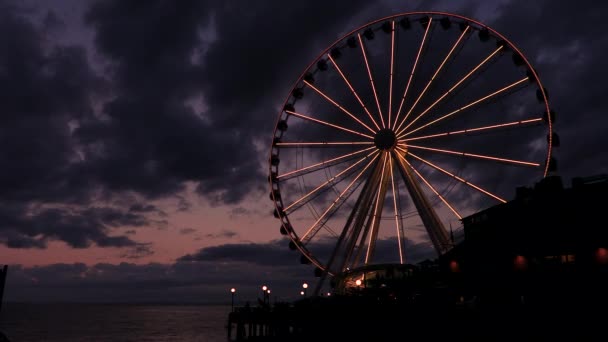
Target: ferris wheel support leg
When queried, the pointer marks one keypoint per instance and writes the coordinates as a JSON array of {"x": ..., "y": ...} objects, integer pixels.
[
  {"x": 360, "y": 220},
  {"x": 345, "y": 231},
  {"x": 437, "y": 232},
  {"x": 384, "y": 180},
  {"x": 368, "y": 220}
]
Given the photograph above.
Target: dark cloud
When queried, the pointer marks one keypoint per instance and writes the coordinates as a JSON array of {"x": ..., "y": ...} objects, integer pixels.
[
  {"x": 204, "y": 276},
  {"x": 206, "y": 282},
  {"x": 186, "y": 231},
  {"x": 139, "y": 251},
  {"x": 226, "y": 233},
  {"x": 273, "y": 253},
  {"x": 142, "y": 208},
  {"x": 177, "y": 53},
  {"x": 79, "y": 228},
  {"x": 151, "y": 68},
  {"x": 44, "y": 90},
  {"x": 277, "y": 253},
  {"x": 569, "y": 55}
]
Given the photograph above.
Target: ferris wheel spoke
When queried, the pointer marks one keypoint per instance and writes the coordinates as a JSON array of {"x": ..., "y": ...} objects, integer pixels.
[
  {"x": 396, "y": 210},
  {"x": 390, "y": 86},
  {"x": 315, "y": 167},
  {"x": 326, "y": 183},
  {"x": 377, "y": 214},
  {"x": 301, "y": 116},
  {"x": 371, "y": 79},
  {"x": 480, "y": 100},
  {"x": 316, "y": 226},
  {"x": 447, "y": 57},
  {"x": 432, "y": 188},
  {"x": 478, "y": 156},
  {"x": 353, "y": 91},
  {"x": 332, "y": 209},
  {"x": 409, "y": 81},
  {"x": 454, "y": 87},
  {"x": 330, "y": 100},
  {"x": 323, "y": 144},
  {"x": 462, "y": 180},
  {"x": 477, "y": 129},
  {"x": 341, "y": 164}
]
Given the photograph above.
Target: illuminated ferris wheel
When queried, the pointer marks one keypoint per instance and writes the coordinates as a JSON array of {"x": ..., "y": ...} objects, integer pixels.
[{"x": 400, "y": 129}]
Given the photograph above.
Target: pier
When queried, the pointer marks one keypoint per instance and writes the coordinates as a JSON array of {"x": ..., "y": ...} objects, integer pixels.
[{"x": 535, "y": 267}]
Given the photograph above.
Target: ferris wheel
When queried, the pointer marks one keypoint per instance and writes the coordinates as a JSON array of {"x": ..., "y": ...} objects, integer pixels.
[{"x": 400, "y": 129}]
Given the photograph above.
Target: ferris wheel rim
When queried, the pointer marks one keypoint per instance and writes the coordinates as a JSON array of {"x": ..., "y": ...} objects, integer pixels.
[{"x": 278, "y": 201}]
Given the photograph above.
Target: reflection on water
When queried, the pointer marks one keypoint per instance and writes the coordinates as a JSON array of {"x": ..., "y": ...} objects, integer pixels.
[{"x": 113, "y": 322}]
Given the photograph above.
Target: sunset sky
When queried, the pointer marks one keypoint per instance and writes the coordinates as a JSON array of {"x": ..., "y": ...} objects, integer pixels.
[{"x": 134, "y": 135}]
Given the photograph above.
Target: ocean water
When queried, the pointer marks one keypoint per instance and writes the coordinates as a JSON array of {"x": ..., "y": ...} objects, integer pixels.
[{"x": 113, "y": 322}]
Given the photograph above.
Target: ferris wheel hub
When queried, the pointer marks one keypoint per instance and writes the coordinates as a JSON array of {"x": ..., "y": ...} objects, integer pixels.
[{"x": 385, "y": 139}]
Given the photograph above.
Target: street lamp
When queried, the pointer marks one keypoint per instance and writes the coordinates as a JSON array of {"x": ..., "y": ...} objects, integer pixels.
[
  {"x": 302, "y": 293},
  {"x": 232, "y": 291},
  {"x": 264, "y": 289},
  {"x": 305, "y": 286}
]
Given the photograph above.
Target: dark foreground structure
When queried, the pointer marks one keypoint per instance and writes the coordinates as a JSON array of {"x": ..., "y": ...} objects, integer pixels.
[
  {"x": 534, "y": 268},
  {"x": 3, "y": 273}
]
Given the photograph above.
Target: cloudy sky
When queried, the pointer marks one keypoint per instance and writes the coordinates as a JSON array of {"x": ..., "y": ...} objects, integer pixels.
[{"x": 134, "y": 135}]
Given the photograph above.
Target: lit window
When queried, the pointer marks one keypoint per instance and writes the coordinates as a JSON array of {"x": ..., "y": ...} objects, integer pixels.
[{"x": 567, "y": 258}]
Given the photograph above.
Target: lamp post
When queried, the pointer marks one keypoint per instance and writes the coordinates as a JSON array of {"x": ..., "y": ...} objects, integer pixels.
[
  {"x": 232, "y": 291},
  {"x": 302, "y": 293},
  {"x": 264, "y": 289},
  {"x": 305, "y": 286}
]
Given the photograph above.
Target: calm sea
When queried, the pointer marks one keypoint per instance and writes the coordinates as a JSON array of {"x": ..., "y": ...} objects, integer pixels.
[{"x": 113, "y": 322}]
